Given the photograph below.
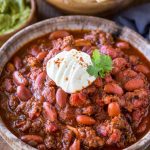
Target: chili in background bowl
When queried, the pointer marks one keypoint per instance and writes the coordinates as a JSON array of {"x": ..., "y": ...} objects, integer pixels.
[{"x": 68, "y": 23}]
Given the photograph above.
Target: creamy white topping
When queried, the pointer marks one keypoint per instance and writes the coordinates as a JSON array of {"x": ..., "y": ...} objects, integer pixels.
[{"x": 68, "y": 70}]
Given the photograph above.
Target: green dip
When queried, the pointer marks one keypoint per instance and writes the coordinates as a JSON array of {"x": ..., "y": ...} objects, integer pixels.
[{"x": 13, "y": 13}]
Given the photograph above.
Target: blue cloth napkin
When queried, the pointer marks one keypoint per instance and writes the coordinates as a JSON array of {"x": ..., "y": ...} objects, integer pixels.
[{"x": 136, "y": 18}]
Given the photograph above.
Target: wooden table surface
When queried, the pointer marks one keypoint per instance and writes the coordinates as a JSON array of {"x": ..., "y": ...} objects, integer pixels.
[{"x": 44, "y": 12}]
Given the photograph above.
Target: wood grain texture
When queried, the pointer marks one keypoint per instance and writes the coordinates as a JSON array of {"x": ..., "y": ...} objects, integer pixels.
[{"x": 4, "y": 145}]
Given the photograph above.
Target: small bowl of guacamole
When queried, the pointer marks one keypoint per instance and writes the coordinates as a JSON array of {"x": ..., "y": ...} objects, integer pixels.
[{"x": 15, "y": 15}]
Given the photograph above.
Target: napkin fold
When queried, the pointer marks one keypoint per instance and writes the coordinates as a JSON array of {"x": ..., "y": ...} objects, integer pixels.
[{"x": 136, "y": 18}]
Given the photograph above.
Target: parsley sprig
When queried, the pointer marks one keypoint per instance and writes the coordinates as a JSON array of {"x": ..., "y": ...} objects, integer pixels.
[{"x": 102, "y": 64}]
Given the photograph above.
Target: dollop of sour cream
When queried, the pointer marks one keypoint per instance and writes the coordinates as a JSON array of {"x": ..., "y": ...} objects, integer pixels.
[{"x": 68, "y": 70}]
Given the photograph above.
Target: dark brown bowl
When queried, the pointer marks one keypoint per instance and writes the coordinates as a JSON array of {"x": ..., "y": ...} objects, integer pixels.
[{"x": 72, "y": 23}]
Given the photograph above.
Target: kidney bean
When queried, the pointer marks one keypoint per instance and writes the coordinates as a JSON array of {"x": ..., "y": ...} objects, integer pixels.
[
  {"x": 134, "y": 84},
  {"x": 50, "y": 111},
  {"x": 98, "y": 82},
  {"x": 113, "y": 109},
  {"x": 76, "y": 101},
  {"x": 8, "y": 85},
  {"x": 86, "y": 120},
  {"x": 34, "y": 50},
  {"x": 142, "y": 68},
  {"x": 108, "y": 78},
  {"x": 23, "y": 93},
  {"x": 118, "y": 64},
  {"x": 17, "y": 62},
  {"x": 61, "y": 98},
  {"x": 82, "y": 42},
  {"x": 75, "y": 145},
  {"x": 113, "y": 88},
  {"x": 41, "y": 56},
  {"x": 109, "y": 50},
  {"x": 19, "y": 79},
  {"x": 58, "y": 34},
  {"x": 125, "y": 75},
  {"x": 133, "y": 59},
  {"x": 129, "y": 73},
  {"x": 39, "y": 82},
  {"x": 32, "y": 139},
  {"x": 82, "y": 96},
  {"x": 123, "y": 45},
  {"x": 10, "y": 67}
]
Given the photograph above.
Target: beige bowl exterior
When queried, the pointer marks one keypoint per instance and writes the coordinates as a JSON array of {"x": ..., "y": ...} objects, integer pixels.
[
  {"x": 105, "y": 7},
  {"x": 72, "y": 23},
  {"x": 30, "y": 20}
]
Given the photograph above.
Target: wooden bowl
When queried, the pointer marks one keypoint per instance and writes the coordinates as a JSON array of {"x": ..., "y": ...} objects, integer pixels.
[
  {"x": 31, "y": 19},
  {"x": 104, "y": 7},
  {"x": 72, "y": 23}
]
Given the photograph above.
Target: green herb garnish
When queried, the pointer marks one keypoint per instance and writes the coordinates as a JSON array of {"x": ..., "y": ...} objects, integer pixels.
[{"x": 102, "y": 64}]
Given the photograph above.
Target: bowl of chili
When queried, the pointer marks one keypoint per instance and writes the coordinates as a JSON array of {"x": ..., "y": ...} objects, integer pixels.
[{"x": 111, "y": 113}]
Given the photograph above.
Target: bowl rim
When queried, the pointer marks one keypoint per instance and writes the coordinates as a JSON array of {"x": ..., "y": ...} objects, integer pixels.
[
  {"x": 28, "y": 21},
  {"x": 4, "y": 132},
  {"x": 91, "y": 7}
]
